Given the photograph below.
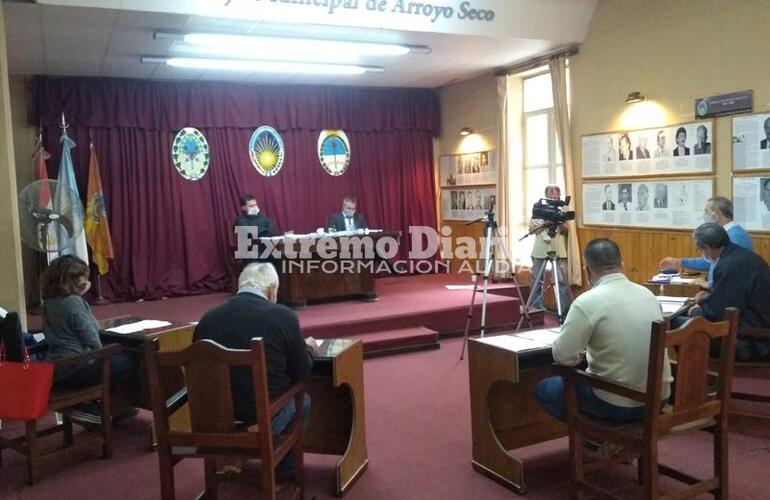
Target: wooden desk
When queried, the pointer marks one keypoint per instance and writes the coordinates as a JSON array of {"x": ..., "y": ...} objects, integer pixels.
[
  {"x": 310, "y": 278},
  {"x": 504, "y": 413},
  {"x": 337, "y": 423},
  {"x": 673, "y": 289}
]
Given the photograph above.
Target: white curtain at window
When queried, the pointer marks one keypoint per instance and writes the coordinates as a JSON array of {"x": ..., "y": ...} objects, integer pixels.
[
  {"x": 558, "y": 69},
  {"x": 510, "y": 200}
]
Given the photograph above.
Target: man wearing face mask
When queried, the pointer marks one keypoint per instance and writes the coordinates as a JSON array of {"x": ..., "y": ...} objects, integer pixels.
[
  {"x": 251, "y": 216},
  {"x": 718, "y": 210},
  {"x": 348, "y": 219},
  {"x": 741, "y": 280},
  {"x": 253, "y": 312},
  {"x": 611, "y": 323}
]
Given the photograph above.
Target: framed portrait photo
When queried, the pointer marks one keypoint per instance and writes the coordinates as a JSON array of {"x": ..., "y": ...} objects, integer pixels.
[{"x": 467, "y": 204}]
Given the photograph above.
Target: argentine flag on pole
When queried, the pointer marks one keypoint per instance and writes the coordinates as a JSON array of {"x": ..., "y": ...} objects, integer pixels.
[{"x": 67, "y": 180}]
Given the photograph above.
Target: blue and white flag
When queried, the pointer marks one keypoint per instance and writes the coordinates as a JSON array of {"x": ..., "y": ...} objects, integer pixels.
[{"x": 66, "y": 180}]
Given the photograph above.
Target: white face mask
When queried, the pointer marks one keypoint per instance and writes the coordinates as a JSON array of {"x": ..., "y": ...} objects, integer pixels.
[
  {"x": 347, "y": 212},
  {"x": 252, "y": 210}
]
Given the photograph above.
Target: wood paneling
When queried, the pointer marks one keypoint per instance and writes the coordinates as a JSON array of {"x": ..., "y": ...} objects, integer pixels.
[{"x": 642, "y": 249}]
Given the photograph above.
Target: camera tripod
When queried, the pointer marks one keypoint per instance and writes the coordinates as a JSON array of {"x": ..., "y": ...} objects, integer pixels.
[
  {"x": 554, "y": 261},
  {"x": 491, "y": 232}
]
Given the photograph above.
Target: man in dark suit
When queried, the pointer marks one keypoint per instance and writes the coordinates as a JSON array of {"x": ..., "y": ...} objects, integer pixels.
[
  {"x": 252, "y": 312},
  {"x": 608, "y": 204},
  {"x": 741, "y": 280},
  {"x": 348, "y": 219},
  {"x": 252, "y": 217},
  {"x": 765, "y": 143}
]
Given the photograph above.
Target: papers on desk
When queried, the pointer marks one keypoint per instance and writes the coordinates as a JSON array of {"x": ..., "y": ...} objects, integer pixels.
[
  {"x": 681, "y": 280},
  {"x": 670, "y": 305},
  {"x": 138, "y": 326},
  {"x": 545, "y": 336},
  {"x": 515, "y": 343},
  {"x": 671, "y": 278}
]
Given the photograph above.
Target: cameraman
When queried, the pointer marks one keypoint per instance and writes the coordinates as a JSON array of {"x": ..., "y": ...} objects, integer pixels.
[{"x": 544, "y": 243}]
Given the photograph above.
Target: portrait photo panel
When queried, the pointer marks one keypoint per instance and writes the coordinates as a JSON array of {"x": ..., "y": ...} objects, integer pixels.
[
  {"x": 467, "y": 204},
  {"x": 468, "y": 169},
  {"x": 670, "y": 150},
  {"x": 751, "y": 201},
  {"x": 751, "y": 142},
  {"x": 659, "y": 203}
]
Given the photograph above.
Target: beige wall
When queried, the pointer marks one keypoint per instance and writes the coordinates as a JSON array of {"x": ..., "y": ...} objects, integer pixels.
[
  {"x": 24, "y": 140},
  {"x": 11, "y": 279},
  {"x": 467, "y": 104},
  {"x": 674, "y": 52}
]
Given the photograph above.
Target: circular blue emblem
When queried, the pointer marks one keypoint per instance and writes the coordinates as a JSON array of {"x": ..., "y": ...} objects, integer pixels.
[
  {"x": 334, "y": 151},
  {"x": 190, "y": 153},
  {"x": 266, "y": 151}
]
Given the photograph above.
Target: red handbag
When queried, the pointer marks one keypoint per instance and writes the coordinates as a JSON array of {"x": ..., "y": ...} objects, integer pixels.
[{"x": 25, "y": 387}]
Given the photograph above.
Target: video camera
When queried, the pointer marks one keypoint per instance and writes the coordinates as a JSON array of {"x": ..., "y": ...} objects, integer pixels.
[{"x": 553, "y": 212}]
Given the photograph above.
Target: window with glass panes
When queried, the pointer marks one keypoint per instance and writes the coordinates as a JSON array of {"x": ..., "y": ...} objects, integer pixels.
[{"x": 542, "y": 155}]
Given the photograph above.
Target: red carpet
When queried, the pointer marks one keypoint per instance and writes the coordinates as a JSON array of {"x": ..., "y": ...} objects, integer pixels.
[
  {"x": 418, "y": 433},
  {"x": 404, "y": 302}
]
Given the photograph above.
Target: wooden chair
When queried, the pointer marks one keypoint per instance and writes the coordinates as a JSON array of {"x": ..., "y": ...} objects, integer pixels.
[
  {"x": 61, "y": 401},
  {"x": 751, "y": 411},
  {"x": 214, "y": 433},
  {"x": 699, "y": 400}
]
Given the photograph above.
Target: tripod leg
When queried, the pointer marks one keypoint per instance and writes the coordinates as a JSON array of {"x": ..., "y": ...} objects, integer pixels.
[
  {"x": 532, "y": 296},
  {"x": 469, "y": 315}
]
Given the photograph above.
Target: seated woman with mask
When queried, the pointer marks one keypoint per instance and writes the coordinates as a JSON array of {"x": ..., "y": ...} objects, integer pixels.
[{"x": 71, "y": 329}]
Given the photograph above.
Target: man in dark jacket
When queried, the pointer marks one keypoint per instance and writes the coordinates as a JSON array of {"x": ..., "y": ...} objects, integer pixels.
[
  {"x": 741, "y": 280},
  {"x": 348, "y": 219},
  {"x": 252, "y": 312},
  {"x": 253, "y": 217}
]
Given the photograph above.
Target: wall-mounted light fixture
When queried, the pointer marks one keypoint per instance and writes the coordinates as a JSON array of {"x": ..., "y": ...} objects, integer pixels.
[
  {"x": 635, "y": 97},
  {"x": 466, "y": 131}
]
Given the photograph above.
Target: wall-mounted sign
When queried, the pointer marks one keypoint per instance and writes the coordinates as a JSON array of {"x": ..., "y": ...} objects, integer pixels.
[
  {"x": 726, "y": 104},
  {"x": 266, "y": 151},
  {"x": 190, "y": 153},
  {"x": 566, "y": 21},
  {"x": 334, "y": 151}
]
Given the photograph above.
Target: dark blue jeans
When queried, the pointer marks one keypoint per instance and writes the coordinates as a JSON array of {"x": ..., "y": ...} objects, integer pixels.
[
  {"x": 282, "y": 420},
  {"x": 550, "y": 395}
]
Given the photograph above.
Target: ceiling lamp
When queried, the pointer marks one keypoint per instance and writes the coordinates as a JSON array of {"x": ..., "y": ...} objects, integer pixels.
[{"x": 263, "y": 66}]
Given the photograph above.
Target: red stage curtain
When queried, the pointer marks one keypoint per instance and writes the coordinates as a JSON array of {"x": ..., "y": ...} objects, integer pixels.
[{"x": 171, "y": 235}]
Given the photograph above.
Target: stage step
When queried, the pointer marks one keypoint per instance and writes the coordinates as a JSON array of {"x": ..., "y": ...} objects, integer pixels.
[{"x": 401, "y": 340}]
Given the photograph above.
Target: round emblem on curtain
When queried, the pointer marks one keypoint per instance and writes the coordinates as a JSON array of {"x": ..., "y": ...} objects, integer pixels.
[
  {"x": 190, "y": 153},
  {"x": 334, "y": 151},
  {"x": 266, "y": 151}
]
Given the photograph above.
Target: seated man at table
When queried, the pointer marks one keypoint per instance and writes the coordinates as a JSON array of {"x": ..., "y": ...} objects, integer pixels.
[
  {"x": 719, "y": 210},
  {"x": 251, "y": 216},
  {"x": 741, "y": 280},
  {"x": 252, "y": 312},
  {"x": 348, "y": 219},
  {"x": 611, "y": 322}
]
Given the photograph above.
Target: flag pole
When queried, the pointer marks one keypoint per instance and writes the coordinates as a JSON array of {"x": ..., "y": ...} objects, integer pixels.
[{"x": 100, "y": 300}]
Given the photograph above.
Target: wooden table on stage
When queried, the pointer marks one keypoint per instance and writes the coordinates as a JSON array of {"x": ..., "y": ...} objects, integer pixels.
[
  {"x": 504, "y": 413},
  {"x": 336, "y": 387},
  {"x": 307, "y": 279}
]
